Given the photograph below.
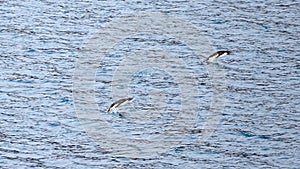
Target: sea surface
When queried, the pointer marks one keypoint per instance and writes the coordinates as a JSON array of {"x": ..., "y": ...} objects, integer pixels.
[{"x": 241, "y": 111}]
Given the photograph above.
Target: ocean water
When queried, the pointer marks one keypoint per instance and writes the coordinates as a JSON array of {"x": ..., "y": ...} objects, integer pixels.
[{"x": 244, "y": 108}]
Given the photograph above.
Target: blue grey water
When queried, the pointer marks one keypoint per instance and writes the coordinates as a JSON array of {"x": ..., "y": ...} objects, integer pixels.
[{"x": 42, "y": 40}]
